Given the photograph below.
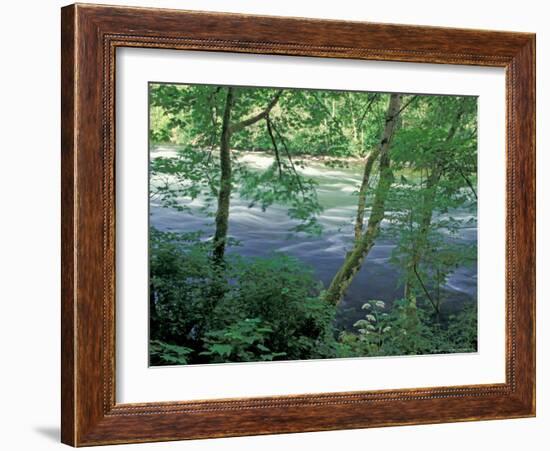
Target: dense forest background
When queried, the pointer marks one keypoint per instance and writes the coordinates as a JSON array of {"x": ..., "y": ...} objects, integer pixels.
[{"x": 304, "y": 280}]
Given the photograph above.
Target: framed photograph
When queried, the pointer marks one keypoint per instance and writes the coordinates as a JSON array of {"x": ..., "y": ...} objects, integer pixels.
[{"x": 278, "y": 225}]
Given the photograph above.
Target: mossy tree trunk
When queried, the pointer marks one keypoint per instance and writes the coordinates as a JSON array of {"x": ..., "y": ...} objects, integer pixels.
[
  {"x": 365, "y": 240},
  {"x": 224, "y": 194},
  {"x": 367, "y": 171},
  {"x": 362, "y": 201}
]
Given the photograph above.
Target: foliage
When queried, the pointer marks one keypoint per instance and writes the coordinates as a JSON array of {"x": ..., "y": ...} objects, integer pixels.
[
  {"x": 462, "y": 330},
  {"x": 262, "y": 309},
  {"x": 243, "y": 341},
  {"x": 236, "y": 309},
  {"x": 271, "y": 309},
  {"x": 286, "y": 188},
  {"x": 193, "y": 119},
  {"x": 437, "y": 151},
  {"x": 189, "y": 174},
  {"x": 407, "y": 330},
  {"x": 167, "y": 354}
]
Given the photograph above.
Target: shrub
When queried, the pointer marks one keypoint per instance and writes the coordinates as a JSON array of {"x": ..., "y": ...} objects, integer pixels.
[
  {"x": 258, "y": 309},
  {"x": 248, "y": 310},
  {"x": 406, "y": 329}
]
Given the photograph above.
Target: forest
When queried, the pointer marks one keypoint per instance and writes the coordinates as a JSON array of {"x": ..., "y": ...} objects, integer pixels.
[{"x": 295, "y": 224}]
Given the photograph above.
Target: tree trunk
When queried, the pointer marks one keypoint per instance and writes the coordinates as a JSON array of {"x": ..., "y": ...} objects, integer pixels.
[
  {"x": 363, "y": 245},
  {"x": 413, "y": 278},
  {"x": 428, "y": 203},
  {"x": 224, "y": 195},
  {"x": 361, "y": 204}
]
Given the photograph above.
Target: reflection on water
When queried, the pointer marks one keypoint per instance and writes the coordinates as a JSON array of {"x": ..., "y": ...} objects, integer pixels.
[{"x": 262, "y": 233}]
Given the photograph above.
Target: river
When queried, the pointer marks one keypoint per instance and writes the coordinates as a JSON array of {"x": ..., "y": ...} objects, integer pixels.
[{"x": 262, "y": 233}]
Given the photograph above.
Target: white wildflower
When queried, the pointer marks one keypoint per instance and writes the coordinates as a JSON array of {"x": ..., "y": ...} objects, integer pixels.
[
  {"x": 380, "y": 304},
  {"x": 371, "y": 318}
]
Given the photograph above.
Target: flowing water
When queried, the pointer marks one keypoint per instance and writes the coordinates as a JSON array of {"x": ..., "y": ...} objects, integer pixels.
[{"x": 262, "y": 233}]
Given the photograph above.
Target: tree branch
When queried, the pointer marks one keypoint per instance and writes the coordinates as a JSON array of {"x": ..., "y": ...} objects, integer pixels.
[
  {"x": 434, "y": 305},
  {"x": 276, "y": 150},
  {"x": 367, "y": 109},
  {"x": 468, "y": 182},
  {"x": 296, "y": 175},
  {"x": 252, "y": 120},
  {"x": 413, "y": 98}
]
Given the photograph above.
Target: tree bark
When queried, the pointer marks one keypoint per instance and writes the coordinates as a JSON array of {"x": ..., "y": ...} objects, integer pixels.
[
  {"x": 363, "y": 245},
  {"x": 373, "y": 155},
  {"x": 362, "y": 201},
  {"x": 224, "y": 195}
]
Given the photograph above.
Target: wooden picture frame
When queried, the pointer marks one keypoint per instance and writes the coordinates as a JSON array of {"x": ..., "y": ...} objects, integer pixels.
[{"x": 90, "y": 36}]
